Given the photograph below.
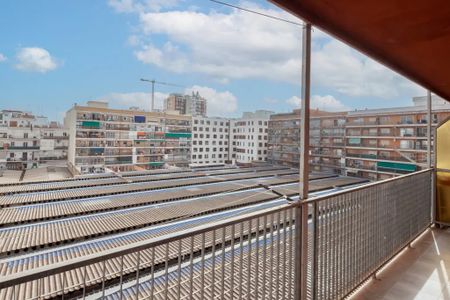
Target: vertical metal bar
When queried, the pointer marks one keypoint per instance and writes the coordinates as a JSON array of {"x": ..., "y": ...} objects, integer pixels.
[
  {"x": 202, "y": 285},
  {"x": 191, "y": 266},
  {"x": 213, "y": 271},
  {"x": 138, "y": 263},
  {"x": 291, "y": 246},
  {"x": 331, "y": 260},
  {"x": 277, "y": 279},
  {"x": 315, "y": 233},
  {"x": 257, "y": 258},
  {"x": 42, "y": 288},
  {"x": 348, "y": 240},
  {"x": 179, "y": 269},
  {"x": 121, "y": 277},
  {"x": 264, "y": 257},
  {"x": 166, "y": 271},
  {"x": 152, "y": 287},
  {"x": 302, "y": 214},
  {"x": 222, "y": 286},
  {"x": 345, "y": 242},
  {"x": 285, "y": 244},
  {"x": 232, "y": 260},
  {"x": 241, "y": 254},
  {"x": 84, "y": 282},
  {"x": 153, "y": 96},
  {"x": 63, "y": 284},
  {"x": 249, "y": 257},
  {"x": 272, "y": 221},
  {"x": 103, "y": 278}
]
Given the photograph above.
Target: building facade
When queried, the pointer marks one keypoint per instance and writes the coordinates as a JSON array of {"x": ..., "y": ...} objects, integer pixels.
[
  {"x": 250, "y": 137},
  {"x": 194, "y": 105},
  {"x": 374, "y": 144},
  {"x": 210, "y": 141},
  {"x": 27, "y": 140},
  {"x": 103, "y": 138},
  {"x": 230, "y": 140}
]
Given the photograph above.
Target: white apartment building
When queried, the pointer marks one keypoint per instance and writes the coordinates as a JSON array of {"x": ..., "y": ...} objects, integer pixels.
[
  {"x": 249, "y": 137},
  {"x": 210, "y": 141},
  {"x": 225, "y": 140},
  {"x": 26, "y": 140}
]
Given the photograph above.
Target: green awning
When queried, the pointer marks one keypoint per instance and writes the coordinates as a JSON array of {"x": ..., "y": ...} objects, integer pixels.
[
  {"x": 91, "y": 124},
  {"x": 397, "y": 166},
  {"x": 177, "y": 135}
]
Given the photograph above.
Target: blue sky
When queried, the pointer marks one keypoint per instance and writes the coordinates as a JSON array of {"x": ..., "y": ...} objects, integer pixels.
[{"x": 57, "y": 53}]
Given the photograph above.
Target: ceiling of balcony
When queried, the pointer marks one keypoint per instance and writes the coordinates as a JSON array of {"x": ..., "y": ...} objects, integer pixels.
[{"x": 410, "y": 37}]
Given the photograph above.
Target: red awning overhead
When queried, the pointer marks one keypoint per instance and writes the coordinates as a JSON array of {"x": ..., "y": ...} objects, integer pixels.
[{"x": 411, "y": 37}]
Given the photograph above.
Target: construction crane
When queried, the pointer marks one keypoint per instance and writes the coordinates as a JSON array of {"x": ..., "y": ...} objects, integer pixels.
[{"x": 153, "y": 81}]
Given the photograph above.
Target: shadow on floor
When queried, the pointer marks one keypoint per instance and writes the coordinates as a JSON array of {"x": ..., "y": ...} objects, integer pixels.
[{"x": 420, "y": 272}]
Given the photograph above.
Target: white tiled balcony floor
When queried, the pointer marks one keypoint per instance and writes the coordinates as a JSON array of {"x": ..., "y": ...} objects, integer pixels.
[{"x": 420, "y": 272}]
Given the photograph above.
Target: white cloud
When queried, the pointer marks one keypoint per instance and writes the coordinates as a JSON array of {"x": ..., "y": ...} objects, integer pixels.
[
  {"x": 35, "y": 59},
  {"x": 224, "y": 46},
  {"x": 238, "y": 45},
  {"x": 325, "y": 103},
  {"x": 136, "y": 6},
  {"x": 337, "y": 66},
  {"x": 141, "y": 100},
  {"x": 133, "y": 40},
  {"x": 2, "y": 58},
  {"x": 219, "y": 103}
]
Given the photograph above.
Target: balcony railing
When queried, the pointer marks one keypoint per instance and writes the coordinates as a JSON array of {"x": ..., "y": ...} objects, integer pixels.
[{"x": 351, "y": 234}]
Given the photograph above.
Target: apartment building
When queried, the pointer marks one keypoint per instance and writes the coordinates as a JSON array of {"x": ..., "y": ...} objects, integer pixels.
[
  {"x": 372, "y": 143},
  {"x": 326, "y": 140},
  {"x": 250, "y": 136},
  {"x": 54, "y": 143},
  {"x": 211, "y": 142},
  {"x": 230, "y": 140},
  {"x": 27, "y": 140},
  {"x": 125, "y": 140},
  {"x": 194, "y": 105}
]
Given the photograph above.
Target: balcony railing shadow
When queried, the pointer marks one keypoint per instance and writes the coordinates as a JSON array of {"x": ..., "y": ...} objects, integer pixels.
[{"x": 419, "y": 272}]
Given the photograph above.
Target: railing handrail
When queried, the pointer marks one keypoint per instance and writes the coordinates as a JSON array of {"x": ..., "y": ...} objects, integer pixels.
[{"x": 57, "y": 268}]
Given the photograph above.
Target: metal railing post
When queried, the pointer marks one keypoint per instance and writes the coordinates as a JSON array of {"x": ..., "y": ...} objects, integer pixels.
[{"x": 301, "y": 220}]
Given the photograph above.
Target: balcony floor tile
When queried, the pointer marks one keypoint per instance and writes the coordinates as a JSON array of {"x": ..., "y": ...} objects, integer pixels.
[{"x": 421, "y": 272}]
